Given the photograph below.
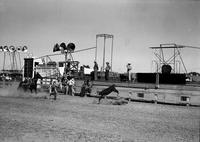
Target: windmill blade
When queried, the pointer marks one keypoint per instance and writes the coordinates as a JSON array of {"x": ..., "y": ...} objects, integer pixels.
[{"x": 184, "y": 46}]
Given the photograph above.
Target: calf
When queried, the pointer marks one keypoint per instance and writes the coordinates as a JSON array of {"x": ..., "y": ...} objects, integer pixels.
[{"x": 107, "y": 91}]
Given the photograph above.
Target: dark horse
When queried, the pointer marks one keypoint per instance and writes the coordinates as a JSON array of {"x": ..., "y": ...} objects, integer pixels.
[
  {"x": 30, "y": 84},
  {"x": 107, "y": 91}
]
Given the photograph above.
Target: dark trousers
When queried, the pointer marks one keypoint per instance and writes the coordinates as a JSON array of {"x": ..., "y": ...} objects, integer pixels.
[
  {"x": 71, "y": 91},
  {"x": 95, "y": 74},
  {"x": 106, "y": 75}
]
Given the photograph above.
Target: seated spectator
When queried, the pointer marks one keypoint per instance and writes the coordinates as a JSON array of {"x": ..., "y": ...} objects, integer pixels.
[{"x": 86, "y": 88}]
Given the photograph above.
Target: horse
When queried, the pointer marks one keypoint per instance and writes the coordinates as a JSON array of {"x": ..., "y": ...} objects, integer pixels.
[
  {"x": 30, "y": 84},
  {"x": 24, "y": 85},
  {"x": 107, "y": 91}
]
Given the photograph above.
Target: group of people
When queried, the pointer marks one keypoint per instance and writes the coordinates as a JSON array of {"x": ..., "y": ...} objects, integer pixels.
[
  {"x": 68, "y": 82},
  {"x": 108, "y": 68},
  {"x": 5, "y": 77},
  {"x": 65, "y": 83}
]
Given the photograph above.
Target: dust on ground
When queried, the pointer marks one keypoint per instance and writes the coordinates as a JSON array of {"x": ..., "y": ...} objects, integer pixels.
[{"x": 26, "y": 117}]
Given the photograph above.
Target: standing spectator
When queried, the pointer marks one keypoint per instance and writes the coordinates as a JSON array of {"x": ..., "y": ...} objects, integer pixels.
[
  {"x": 96, "y": 68},
  {"x": 64, "y": 81},
  {"x": 81, "y": 72},
  {"x": 71, "y": 84},
  {"x": 129, "y": 68},
  {"x": 53, "y": 90},
  {"x": 107, "y": 69}
]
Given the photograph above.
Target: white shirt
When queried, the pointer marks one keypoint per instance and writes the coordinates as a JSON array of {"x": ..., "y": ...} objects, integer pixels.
[{"x": 129, "y": 67}]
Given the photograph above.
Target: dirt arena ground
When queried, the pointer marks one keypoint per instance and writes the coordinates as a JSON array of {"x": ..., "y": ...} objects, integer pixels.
[{"x": 32, "y": 118}]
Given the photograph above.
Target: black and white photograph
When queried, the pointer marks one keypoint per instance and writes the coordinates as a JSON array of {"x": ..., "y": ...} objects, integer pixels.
[{"x": 99, "y": 70}]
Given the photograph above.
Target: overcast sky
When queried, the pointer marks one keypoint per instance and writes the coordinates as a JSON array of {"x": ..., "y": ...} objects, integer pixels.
[{"x": 135, "y": 24}]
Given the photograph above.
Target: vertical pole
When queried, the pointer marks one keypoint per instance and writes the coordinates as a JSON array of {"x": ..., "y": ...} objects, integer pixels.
[
  {"x": 182, "y": 60},
  {"x": 19, "y": 61},
  {"x": 112, "y": 52},
  {"x": 4, "y": 58},
  {"x": 96, "y": 50},
  {"x": 13, "y": 61},
  {"x": 175, "y": 58},
  {"x": 157, "y": 78},
  {"x": 160, "y": 62},
  {"x": 163, "y": 58},
  {"x": 104, "y": 51},
  {"x": 15, "y": 55},
  {"x": 10, "y": 59},
  {"x": 65, "y": 62}
]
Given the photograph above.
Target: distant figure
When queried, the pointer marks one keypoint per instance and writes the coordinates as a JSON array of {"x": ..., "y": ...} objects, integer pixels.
[
  {"x": 81, "y": 72},
  {"x": 96, "y": 68},
  {"x": 129, "y": 68},
  {"x": 86, "y": 88},
  {"x": 68, "y": 66},
  {"x": 107, "y": 69},
  {"x": 71, "y": 84},
  {"x": 53, "y": 90}
]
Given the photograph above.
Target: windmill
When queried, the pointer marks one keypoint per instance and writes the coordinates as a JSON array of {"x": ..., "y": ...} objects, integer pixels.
[
  {"x": 174, "y": 61},
  {"x": 70, "y": 66}
]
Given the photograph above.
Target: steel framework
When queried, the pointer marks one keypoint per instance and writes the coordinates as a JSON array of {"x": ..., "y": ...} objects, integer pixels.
[
  {"x": 105, "y": 36},
  {"x": 68, "y": 59},
  {"x": 172, "y": 60}
]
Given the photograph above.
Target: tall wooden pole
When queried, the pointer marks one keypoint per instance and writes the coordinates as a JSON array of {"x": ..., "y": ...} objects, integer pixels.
[
  {"x": 96, "y": 50},
  {"x": 104, "y": 51},
  {"x": 112, "y": 52},
  {"x": 4, "y": 59}
]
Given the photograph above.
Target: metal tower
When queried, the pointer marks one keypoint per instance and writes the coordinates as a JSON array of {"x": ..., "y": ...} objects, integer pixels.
[
  {"x": 12, "y": 57},
  {"x": 175, "y": 60},
  {"x": 105, "y": 36}
]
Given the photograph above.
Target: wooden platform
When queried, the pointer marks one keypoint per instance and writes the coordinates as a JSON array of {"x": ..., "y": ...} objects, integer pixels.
[{"x": 172, "y": 94}]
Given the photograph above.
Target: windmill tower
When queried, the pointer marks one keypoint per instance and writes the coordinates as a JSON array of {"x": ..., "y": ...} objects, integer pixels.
[
  {"x": 174, "y": 61},
  {"x": 70, "y": 65}
]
